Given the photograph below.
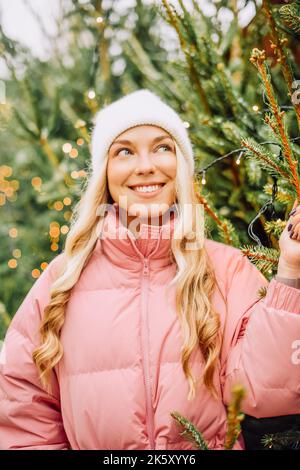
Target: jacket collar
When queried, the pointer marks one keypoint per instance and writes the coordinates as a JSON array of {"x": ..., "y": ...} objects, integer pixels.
[{"x": 121, "y": 246}]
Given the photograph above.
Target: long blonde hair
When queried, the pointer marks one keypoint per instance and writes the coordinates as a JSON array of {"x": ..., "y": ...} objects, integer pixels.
[{"x": 194, "y": 279}]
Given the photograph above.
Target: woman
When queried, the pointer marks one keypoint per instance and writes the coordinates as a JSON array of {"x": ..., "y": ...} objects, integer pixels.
[{"x": 141, "y": 314}]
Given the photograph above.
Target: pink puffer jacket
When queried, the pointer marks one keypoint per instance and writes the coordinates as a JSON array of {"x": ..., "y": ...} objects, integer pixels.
[{"x": 121, "y": 376}]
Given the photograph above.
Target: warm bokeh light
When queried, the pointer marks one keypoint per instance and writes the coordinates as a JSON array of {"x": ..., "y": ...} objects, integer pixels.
[
  {"x": 80, "y": 141},
  {"x": 73, "y": 153},
  {"x": 9, "y": 192},
  {"x": 12, "y": 263},
  {"x": 54, "y": 246},
  {"x": 64, "y": 229},
  {"x": 36, "y": 182},
  {"x": 35, "y": 273},
  {"x": 91, "y": 94},
  {"x": 67, "y": 201},
  {"x": 80, "y": 123},
  {"x": 44, "y": 265},
  {"x": 5, "y": 171},
  {"x": 54, "y": 232},
  {"x": 17, "y": 253},
  {"x": 58, "y": 206},
  {"x": 67, "y": 147},
  {"x": 13, "y": 233}
]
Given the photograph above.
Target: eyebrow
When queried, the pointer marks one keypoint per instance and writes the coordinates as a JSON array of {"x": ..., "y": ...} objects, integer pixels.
[{"x": 128, "y": 142}]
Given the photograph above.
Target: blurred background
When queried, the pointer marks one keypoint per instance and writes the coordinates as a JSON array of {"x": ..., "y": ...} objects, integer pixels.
[{"x": 61, "y": 61}]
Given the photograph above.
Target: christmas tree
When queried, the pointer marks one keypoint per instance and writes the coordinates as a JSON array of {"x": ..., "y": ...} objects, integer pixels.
[{"x": 45, "y": 123}]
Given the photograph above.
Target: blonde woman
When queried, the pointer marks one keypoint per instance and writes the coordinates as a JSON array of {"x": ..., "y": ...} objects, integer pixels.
[{"x": 142, "y": 314}]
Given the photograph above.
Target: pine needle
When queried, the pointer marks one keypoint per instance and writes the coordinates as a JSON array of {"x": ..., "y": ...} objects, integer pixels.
[{"x": 190, "y": 431}]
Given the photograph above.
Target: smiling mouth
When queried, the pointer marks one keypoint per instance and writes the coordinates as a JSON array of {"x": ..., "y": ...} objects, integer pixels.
[{"x": 147, "y": 189}]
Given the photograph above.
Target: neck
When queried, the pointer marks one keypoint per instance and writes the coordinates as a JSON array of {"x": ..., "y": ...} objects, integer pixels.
[{"x": 134, "y": 223}]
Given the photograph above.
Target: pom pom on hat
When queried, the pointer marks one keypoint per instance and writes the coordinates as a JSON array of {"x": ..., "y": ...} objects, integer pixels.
[{"x": 140, "y": 107}]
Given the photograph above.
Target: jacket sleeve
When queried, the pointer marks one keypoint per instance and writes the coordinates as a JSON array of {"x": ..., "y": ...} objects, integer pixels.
[
  {"x": 30, "y": 418},
  {"x": 262, "y": 343}
]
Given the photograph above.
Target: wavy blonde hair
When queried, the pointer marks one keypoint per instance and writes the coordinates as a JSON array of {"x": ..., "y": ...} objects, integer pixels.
[{"x": 194, "y": 279}]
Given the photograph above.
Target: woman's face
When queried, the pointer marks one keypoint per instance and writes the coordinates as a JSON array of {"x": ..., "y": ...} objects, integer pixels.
[{"x": 141, "y": 170}]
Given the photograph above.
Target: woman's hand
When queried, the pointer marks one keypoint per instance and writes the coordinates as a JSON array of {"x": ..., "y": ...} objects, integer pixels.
[{"x": 289, "y": 244}]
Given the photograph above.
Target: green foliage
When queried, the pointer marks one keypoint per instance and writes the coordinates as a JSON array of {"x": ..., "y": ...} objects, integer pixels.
[
  {"x": 291, "y": 16},
  {"x": 282, "y": 441},
  {"x": 190, "y": 432}
]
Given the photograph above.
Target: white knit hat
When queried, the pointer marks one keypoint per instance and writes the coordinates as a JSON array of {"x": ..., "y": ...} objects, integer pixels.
[{"x": 137, "y": 108}]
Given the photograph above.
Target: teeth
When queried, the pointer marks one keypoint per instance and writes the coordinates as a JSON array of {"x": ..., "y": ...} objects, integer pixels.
[{"x": 147, "y": 189}]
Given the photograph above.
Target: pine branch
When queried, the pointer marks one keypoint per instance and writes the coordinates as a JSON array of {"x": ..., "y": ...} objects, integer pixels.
[
  {"x": 190, "y": 432},
  {"x": 48, "y": 151},
  {"x": 265, "y": 158},
  {"x": 175, "y": 20},
  {"x": 265, "y": 259},
  {"x": 258, "y": 58},
  {"x": 275, "y": 226},
  {"x": 262, "y": 292},
  {"x": 226, "y": 228},
  {"x": 234, "y": 417},
  {"x": 280, "y": 441},
  {"x": 283, "y": 196},
  {"x": 278, "y": 46},
  {"x": 291, "y": 16}
]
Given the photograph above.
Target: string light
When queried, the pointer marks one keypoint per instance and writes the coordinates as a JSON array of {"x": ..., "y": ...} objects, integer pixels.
[
  {"x": 203, "y": 181},
  {"x": 12, "y": 263},
  {"x": 54, "y": 232},
  {"x": 91, "y": 94},
  {"x": 17, "y": 253},
  {"x": 186, "y": 124},
  {"x": 74, "y": 174},
  {"x": 80, "y": 123},
  {"x": 67, "y": 201},
  {"x": 67, "y": 147},
  {"x": 255, "y": 108},
  {"x": 239, "y": 158},
  {"x": 64, "y": 229},
  {"x": 58, "y": 206},
  {"x": 35, "y": 273},
  {"x": 99, "y": 19},
  {"x": 80, "y": 141},
  {"x": 36, "y": 183},
  {"x": 73, "y": 153},
  {"x": 81, "y": 173},
  {"x": 5, "y": 171},
  {"x": 13, "y": 233}
]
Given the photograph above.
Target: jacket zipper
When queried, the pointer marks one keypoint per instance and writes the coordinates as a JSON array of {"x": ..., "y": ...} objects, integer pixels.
[{"x": 146, "y": 361}]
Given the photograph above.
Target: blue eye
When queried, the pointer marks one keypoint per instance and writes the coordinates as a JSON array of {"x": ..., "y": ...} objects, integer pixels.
[
  {"x": 124, "y": 148},
  {"x": 166, "y": 146}
]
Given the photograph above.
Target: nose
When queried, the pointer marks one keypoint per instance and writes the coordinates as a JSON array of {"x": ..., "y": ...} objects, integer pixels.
[{"x": 145, "y": 164}]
